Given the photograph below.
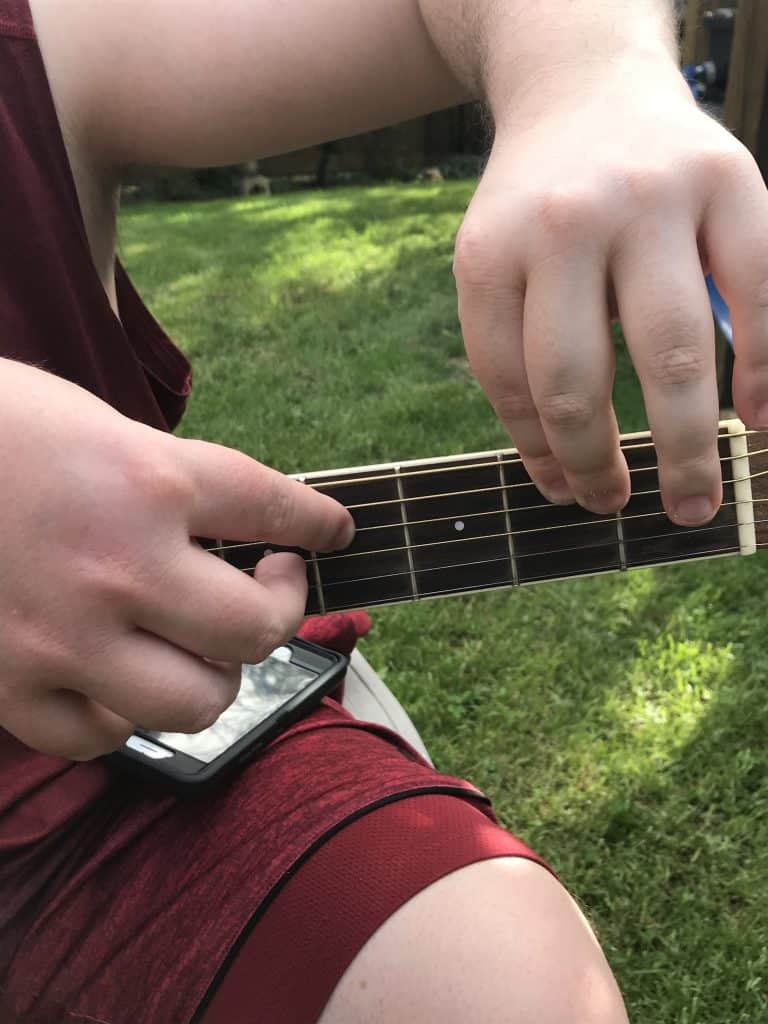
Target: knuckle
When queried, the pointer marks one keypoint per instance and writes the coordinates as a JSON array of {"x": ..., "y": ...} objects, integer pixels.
[
  {"x": 689, "y": 459},
  {"x": 723, "y": 162},
  {"x": 751, "y": 292},
  {"x": 281, "y": 508},
  {"x": 564, "y": 212},
  {"x": 21, "y": 649},
  {"x": 159, "y": 481},
  {"x": 36, "y": 657},
  {"x": 477, "y": 262},
  {"x": 566, "y": 410},
  {"x": 515, "y": 406},
  {"x": 760, "y": 299},
  {"x": 55, "y": 662},
  {"x": 677, "y": 365},
  {"x": 649, "y": 187},
  {"x": 106, "y": 582}
]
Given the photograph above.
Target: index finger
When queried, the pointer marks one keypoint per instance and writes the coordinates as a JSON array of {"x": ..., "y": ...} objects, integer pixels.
[{"x": 240, "y": 499}]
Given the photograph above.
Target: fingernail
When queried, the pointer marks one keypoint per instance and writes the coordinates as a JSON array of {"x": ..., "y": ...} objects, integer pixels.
[
  {"x": 604, "y": 503},
  {"x": 694, "y": 511},
  {"x": 761, "y": 422},
  {"x": 346, "y": 535}
]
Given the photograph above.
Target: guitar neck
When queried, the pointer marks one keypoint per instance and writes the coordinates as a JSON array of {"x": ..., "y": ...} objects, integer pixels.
[{"x": 437, "y": 527}]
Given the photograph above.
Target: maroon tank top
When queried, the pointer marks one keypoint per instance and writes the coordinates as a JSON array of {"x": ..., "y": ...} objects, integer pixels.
[{"x": 55, "y": 313}]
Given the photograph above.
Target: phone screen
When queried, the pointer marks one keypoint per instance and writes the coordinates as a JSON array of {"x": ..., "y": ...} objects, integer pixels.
[{"x": 264, "y": 688}]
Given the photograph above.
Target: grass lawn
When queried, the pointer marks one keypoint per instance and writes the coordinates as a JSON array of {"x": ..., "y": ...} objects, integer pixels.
[{"x": 620, "y": 724}]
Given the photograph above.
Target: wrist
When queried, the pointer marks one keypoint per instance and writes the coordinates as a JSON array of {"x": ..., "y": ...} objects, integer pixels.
[
  {"x": 563, "y": 47},
  {"x": 573, "y": 83}
]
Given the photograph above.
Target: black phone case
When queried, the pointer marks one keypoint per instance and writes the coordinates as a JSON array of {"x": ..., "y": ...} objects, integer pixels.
[{"x": 187, "y": 776}]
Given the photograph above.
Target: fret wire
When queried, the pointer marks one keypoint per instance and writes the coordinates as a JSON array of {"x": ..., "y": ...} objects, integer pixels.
[
  {"x": 620, "y": 540},
  {"x": 508, "y": 523},
  {"x": 538, "y": 554},
  {"x": 318, "y": 581},
  {"x": 474, "y": 465},
  {"x": 407, "y": 535},
  {"x": 485, "y": 490}
]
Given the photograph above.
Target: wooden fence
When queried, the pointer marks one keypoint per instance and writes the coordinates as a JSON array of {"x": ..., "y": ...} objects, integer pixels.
[{"x": 746, "y": 108}]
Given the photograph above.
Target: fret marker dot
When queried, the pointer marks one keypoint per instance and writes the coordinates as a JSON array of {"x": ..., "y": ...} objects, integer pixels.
[
  {"x": 268, "y": 551},
  {"x": 459, "y": 526}
]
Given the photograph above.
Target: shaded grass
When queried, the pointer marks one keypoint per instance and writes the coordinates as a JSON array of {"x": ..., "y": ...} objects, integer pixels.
[{"x": 619, "y": 723}]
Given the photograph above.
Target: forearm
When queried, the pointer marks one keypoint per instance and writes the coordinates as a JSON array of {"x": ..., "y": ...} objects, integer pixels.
[
  {"x": 174, "y": 83},
  {"x": 181, "y": 83},
  {"x": 497, "y": 48}
]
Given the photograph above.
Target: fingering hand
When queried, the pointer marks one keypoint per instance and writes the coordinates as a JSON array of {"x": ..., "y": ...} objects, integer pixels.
[{"x": 602, "y": 196}]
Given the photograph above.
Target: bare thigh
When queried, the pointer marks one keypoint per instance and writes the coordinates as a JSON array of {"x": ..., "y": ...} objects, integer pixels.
[{"x": 498, "y": 941}]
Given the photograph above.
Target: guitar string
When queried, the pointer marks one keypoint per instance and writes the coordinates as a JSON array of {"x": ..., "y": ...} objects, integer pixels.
[
  {"x": 519, "y": 508},
  {"x": 346, "y": 482},
  {"x": 554, "y": 551},
  {"x": 397, "y": 599},
  {"x": 494, "y": 489},
  {"x": 485, "y": 490},
  {"x": 730, "y": 549},
  {"x": 606, "y": 521},
  {"x": 527, "y": 483},
  {"x": 476, "y": 515}
]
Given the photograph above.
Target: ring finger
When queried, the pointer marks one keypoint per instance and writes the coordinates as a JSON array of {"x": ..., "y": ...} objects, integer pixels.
[{"x": 669, "y": 329}]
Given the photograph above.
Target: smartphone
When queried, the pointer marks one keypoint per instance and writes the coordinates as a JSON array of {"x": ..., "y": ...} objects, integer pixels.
[{"x": 273, "y": 694}]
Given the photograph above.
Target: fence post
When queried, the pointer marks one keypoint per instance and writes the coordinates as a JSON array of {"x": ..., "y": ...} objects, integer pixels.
[
  {"x": 748, "y": 73},
  {"x": 695, "y": 37}
]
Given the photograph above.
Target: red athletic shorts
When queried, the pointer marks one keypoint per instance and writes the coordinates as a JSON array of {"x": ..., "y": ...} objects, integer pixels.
[
  {"x": 318, "y": 917},
  {"x": 288, "y": 963},
  {"x": 245, "y": 907}
]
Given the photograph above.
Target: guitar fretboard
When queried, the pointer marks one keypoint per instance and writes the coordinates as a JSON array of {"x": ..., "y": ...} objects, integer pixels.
[{"x": 432, "y": 528}]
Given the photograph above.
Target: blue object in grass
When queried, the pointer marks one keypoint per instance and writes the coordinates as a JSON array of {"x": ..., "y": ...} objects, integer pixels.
[{"x": 721, "y": 312}]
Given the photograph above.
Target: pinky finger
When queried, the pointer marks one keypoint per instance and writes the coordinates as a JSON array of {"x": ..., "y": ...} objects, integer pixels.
[
  {"x": 736, "y": 235},
  {"x": 67, "y": 724}
]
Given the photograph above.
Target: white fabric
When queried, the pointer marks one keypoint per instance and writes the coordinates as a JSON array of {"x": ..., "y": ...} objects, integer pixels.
[{"x": 367, "y": 697}]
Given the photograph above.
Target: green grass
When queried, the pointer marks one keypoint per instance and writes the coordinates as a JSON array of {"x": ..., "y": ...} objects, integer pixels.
[{"x": 620, "y": 723}]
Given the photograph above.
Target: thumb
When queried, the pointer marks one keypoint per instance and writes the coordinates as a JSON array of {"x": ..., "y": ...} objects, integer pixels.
[{"x": 237, "y": 498}]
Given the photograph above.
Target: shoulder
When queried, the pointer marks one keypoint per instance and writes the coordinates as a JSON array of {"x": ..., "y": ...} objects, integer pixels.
[{"x": 57, "y": 30}]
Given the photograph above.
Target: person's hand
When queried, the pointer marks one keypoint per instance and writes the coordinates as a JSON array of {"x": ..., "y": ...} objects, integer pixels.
[
  {"x": 608, "y": 190},
  {"x": 110, "y": 612}
]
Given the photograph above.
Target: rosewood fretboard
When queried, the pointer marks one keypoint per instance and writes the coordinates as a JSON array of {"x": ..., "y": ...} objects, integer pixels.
[{"x": 432, "y": 528}]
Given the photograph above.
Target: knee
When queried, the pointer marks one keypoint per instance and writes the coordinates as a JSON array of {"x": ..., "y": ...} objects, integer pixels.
[{"x": 499, "y": 941}]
